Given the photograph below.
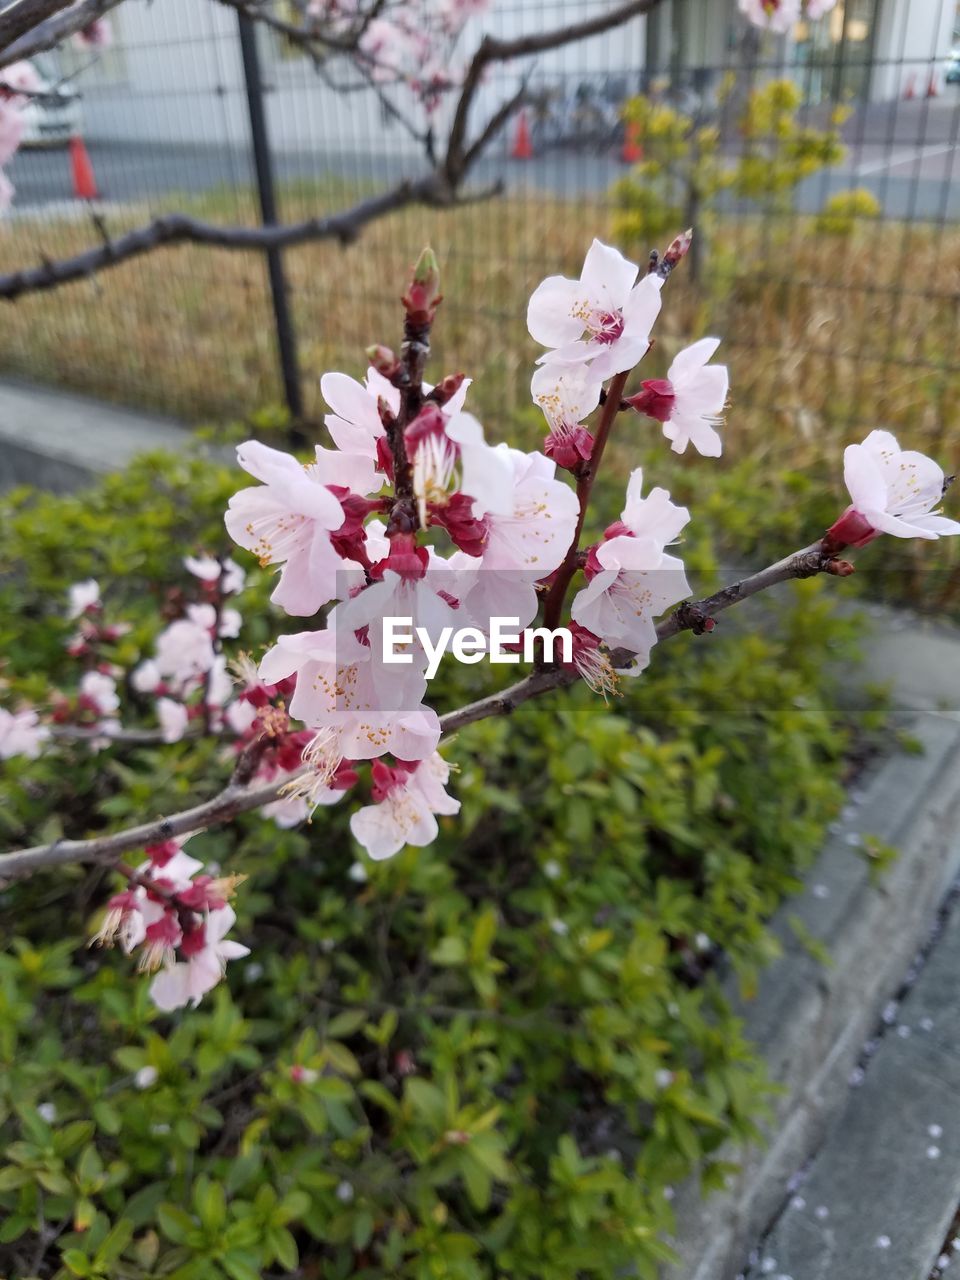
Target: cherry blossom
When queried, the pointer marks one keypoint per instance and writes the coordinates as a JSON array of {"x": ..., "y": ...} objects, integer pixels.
[
  {"x": 290, "y": 518},
  {"x": 98, "y": 692},
  {"x": 819, "y": 8},
  {"x": 778, "y": 16},
  {"x": 607, "y": 304},
  {"x": 630, "y": 578},
  {"x": 173, "y": 717},
  {"x": 206, "y": 950},
  {"x": 566, "y": 394},
  {"x": 21, "y": 734},
  {"x": 407, "y": 798},
  {"x": 98, "y": 35},
  {"x": 226, "y": 575},
  {"x": 531, "y": 528},
  {"x": 893, "y": 491},
  {"x": 689, "y": 401},
  {"x": 83, "y": 596}
]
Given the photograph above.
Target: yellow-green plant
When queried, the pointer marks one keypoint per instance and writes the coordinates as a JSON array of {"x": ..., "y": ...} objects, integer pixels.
[
  {"x": 683, "y": 169},
  {"x": 841, "y": 213}
]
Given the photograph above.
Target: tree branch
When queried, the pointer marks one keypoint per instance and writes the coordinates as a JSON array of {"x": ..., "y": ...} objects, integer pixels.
[
  {"x": 43, "y": 26},
  {"x": 180, "y": 228},
  {"x": 696, "y": 616}
]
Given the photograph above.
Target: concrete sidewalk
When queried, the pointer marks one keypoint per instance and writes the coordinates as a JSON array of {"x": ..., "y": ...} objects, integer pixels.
[{"x": 60, "y": 441}]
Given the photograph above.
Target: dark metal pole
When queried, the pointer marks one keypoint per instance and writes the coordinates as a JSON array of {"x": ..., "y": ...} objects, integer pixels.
[{"x": 286, "y": 337}]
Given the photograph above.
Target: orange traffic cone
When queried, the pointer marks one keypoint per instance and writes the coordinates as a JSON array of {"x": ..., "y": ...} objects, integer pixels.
[
  {"x": 933, "y": 84},
  {"x": 84, "y": 183},
  {"x": 522, "y": 146},
  {"x": 632, "y": 150},
  {"x": 911, "y": 90}
]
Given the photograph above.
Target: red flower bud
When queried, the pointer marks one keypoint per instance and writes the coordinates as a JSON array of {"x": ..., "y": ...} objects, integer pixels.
[
  {"x": 444, "y": 391},
  {"x": 656, "y": 399},
  {"x": 423, "y": 292},
  {"x": 679, "y": 247},
  {"x": 383, "y": 360}
]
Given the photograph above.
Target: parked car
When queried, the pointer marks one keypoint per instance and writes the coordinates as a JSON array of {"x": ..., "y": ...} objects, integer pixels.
[
  {"x": 953, "y": 67},
  {"x": 54, "y": 115}
]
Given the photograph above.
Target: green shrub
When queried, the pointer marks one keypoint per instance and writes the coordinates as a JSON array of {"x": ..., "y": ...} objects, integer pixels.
[
  {"x": 488, "y": 1058},
  {"x": 841, "y": 213}
]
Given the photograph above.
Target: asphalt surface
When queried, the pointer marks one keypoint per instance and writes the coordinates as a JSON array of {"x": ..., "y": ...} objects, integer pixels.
[{"x": 906, "y": 153}]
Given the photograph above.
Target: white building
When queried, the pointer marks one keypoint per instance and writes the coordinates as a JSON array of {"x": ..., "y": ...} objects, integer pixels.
[{"x": 176, "y": 77}]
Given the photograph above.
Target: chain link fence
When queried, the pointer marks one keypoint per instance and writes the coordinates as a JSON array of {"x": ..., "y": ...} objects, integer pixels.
[{"x": 836, "y": 309}]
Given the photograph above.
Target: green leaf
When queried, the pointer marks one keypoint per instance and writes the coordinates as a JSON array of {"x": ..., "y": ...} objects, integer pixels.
[{"x": 175, "y": 1223}]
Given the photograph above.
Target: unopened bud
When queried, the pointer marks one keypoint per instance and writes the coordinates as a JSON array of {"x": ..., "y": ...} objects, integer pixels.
[
  {"x": 423, "y": 292},
  {"x": 383, "y": 360},
  {"x": 656, "y": 399},
  {"x": 445, "y": 391},
  {"x": 839, "y": 568},
  {"x": 679, "y": 247}
]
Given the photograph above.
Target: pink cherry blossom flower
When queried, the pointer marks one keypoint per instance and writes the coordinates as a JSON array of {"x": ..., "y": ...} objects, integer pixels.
[
  {"x": 630, "y": 578},
  {"x": 11, "y": 129},
  {"x": 531, "y": 524},
  {"x": 567, "y": 394},
  {"x": 18, "y": 82},
  {"x": 893, "y": 491},
  {"x": 607, "y": 304},
  {"x": 184, "y": 651},
  {"x": 146, "y": 677},
  {"x": 83, "y": 596},
  {"x": 689, "y": 401},
  {"x": 406, "y": 804},
  {"x": 98, "y": 35},
  {"x": 228, "y": 576},
  {"x": 99, "y": 693},
  {"x": 206, "y": 953},
  {"x": 173, "y": 719},
  {"x": 337, "y": 694},
  {"x": 289, "y": 519},
  {"x": 778, "y": 16},
  {"x": 21, "y": 734}
]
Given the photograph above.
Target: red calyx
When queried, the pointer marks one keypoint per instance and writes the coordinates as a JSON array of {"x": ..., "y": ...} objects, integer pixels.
[
  {"x": 456, "y": 516},
  {"x": 405, "y": 558},
  {"x": 851, "y": 530},
  {"x": 569, "y": 446},
  {"x": 656, "y": 399}
]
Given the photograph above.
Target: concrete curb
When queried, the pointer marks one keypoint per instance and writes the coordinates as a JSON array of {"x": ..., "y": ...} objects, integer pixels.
[
  {"x": 60, "y": 442},
  {"x": 809, "y": 1022}
]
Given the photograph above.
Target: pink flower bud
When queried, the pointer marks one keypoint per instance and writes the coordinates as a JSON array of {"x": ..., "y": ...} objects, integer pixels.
[
  {"x": 423, "y": 292},
  {"x": 656, "y": 399},
  {"x": 456, "y": 516},
  {"x": 428, "y": 422},
  {"x": 444, "y": 391},
  {"x": 383, "y": 360},
  {"x": 679, "y": 247}
]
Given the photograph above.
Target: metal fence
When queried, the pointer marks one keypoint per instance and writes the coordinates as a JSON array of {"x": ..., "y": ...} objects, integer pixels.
[{"x": 832, "y": 320}]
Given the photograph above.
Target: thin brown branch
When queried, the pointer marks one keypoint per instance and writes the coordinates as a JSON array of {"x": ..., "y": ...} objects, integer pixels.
[
  {"x": 494, "y": 49},
  {"x": 553, "y": 605},
  {"x": 179, "y": 228},
  {"x": 34, "y": 26},
  {"x": 236, "y": 799}
]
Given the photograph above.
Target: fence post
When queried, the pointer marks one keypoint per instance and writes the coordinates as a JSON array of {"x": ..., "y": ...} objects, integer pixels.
[{"x": 263, "y": 165}]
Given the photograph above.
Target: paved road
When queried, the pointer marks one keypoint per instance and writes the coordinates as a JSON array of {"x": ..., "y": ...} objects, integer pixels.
[{"x": 906, "y": 153}]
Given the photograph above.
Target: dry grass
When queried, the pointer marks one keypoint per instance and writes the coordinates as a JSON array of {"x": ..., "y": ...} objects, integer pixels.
[{"x": 822, "y": 338}]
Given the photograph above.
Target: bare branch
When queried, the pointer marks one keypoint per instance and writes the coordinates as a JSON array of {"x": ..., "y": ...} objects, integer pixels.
[
  {"x": 50, "y": 23},
  {"x": 493, "y": 49},
  {"x": 179, "y": 228},
  {"x": 236, "y": 799}
]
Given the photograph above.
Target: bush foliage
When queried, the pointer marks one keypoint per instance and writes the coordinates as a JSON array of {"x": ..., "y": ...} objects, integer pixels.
[{"x": 490, "y": 1058}]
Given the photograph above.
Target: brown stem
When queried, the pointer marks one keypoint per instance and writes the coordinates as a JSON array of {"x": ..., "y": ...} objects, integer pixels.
[
  {"x": 234, "y": 800},
  {"x": 553, "y": 605}
]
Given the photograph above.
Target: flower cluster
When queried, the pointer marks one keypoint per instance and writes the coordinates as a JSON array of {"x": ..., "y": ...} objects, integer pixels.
[
  {"x": 177, "y": 920},
  {"x": 414, "y": 516},
  {"x": 780, "y": 16},
  {"x": 412, "y": 43},
  {"x": 17, "y": 83}
]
